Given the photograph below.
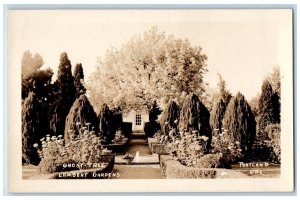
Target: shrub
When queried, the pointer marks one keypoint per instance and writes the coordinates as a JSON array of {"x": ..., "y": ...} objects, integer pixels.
[
  {"x": 174, "y": 169},
  {"x": 274, "y": 142},
  {"x": 188, "y": 149},
  {"x": 223, "y": 145},
  {"x": 151, "y": 128},
  {"x": 83, "y": 149},
  {"x": 210, "y": 161}
]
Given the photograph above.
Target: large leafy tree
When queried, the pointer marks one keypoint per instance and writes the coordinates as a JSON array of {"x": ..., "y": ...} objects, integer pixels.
[
  {"x": 240, "y": 123},
  {"x": 64, "y": 96},
  {"x": 148, "y": 67}
]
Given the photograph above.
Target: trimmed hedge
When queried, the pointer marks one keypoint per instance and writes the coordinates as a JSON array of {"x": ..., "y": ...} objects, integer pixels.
[{"x": 175, "y": 170}]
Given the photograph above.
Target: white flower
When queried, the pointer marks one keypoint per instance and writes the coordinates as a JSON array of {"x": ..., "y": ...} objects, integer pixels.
[
  {"x": 35, "y": 145},
  {"x": 237, "y": 142},
  {"x": 60, "y": 136},
  {"x": 78, "y": 123},
  {"x": 176, "y": 121},
  {"x": 48, "y": 138},
  {"x": 42, "y": 139}
]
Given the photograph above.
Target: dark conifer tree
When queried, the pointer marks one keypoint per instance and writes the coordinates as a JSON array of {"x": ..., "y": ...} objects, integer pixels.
[
  {"x": 266, "y": 107},
  {"x": 80, "y": 117},
  {"x": 31, "y": 129},
  {"x": 219, "y": 107},
  {"x": 217, "y": 116},
  {"x": 105, "y": 123},
  {"x": 240, "y": 123},
  {"x": 194, "y": 116},
  {"x": 170, "y": 117},
  {"x": 64, "y": 98},
  {"x": 78, "y": 80}
]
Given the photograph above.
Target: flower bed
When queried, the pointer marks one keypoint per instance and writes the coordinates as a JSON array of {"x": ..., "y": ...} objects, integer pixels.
[{"x": 173, "y": 169}]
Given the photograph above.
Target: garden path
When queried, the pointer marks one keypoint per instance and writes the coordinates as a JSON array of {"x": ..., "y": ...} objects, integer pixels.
[{"x": 145, "y": 167}]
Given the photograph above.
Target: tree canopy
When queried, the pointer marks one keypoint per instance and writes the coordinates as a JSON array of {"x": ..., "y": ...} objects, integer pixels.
[{"x": 148, "y": 67}]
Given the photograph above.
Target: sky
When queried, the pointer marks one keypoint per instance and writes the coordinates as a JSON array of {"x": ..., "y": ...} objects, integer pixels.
[{"x": 242, "y": 45}]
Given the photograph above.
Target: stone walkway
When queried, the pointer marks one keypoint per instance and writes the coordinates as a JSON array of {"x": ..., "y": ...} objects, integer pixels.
[{"x": 145, "y": 167}]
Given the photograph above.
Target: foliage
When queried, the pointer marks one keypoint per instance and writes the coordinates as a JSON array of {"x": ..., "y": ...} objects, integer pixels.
[
  {"x": 116, "y": 119},
  {"x": 219, "y": 106},
  {"x": 38, "y": 81},
  {"x": 210, "y": 161},
  {"x": 154, "y": 112},
  {"x": 240, "y": 123},
  {"x": 151, "y": 128},
  {"x": 148, "y": 67},
  {"x": 228, "y": 150},
  {"x": 64, "y": 97},
  {"x": 274, "y": 142},
  {"x": 110, "y": 122},
  {"x": 194, "y": 116},
  {"x": 31, "y": 129},
  {"x": 104, "y": 117},
  {"x": 275, "y": 80},
  {"x": 30, "y": 63},
  {"x": 83, "y": 149},
  {"x": 78, "y": 80},
  {"x": 170, "y": 117},
  {"x": 268, "y": 105},
  {"x": 189, "y": 148},
  {"x": 217, "y": 116},
  {"x": 80, "y": 113},
  {"x": 118, "y": 137}
]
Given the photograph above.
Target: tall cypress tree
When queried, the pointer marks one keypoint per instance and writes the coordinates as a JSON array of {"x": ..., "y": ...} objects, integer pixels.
[
  {"x": 65, "y": 96},
  {"x": 104, "y": 117},
  {"x": 239, "y": 121},
  {"x": 217, "y": 116},
  {"x": 78, "y": 80},
  {"x": 219, "y": 107},
  {"x": 194, "y": 116},
  {"x": 268, "y": 103},
  {"x": 170, "y": 117},
  {"x": 31, "y": 129}
]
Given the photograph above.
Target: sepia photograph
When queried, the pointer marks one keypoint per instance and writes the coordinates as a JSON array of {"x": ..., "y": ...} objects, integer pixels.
[{"x": 193, "y": 100}]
